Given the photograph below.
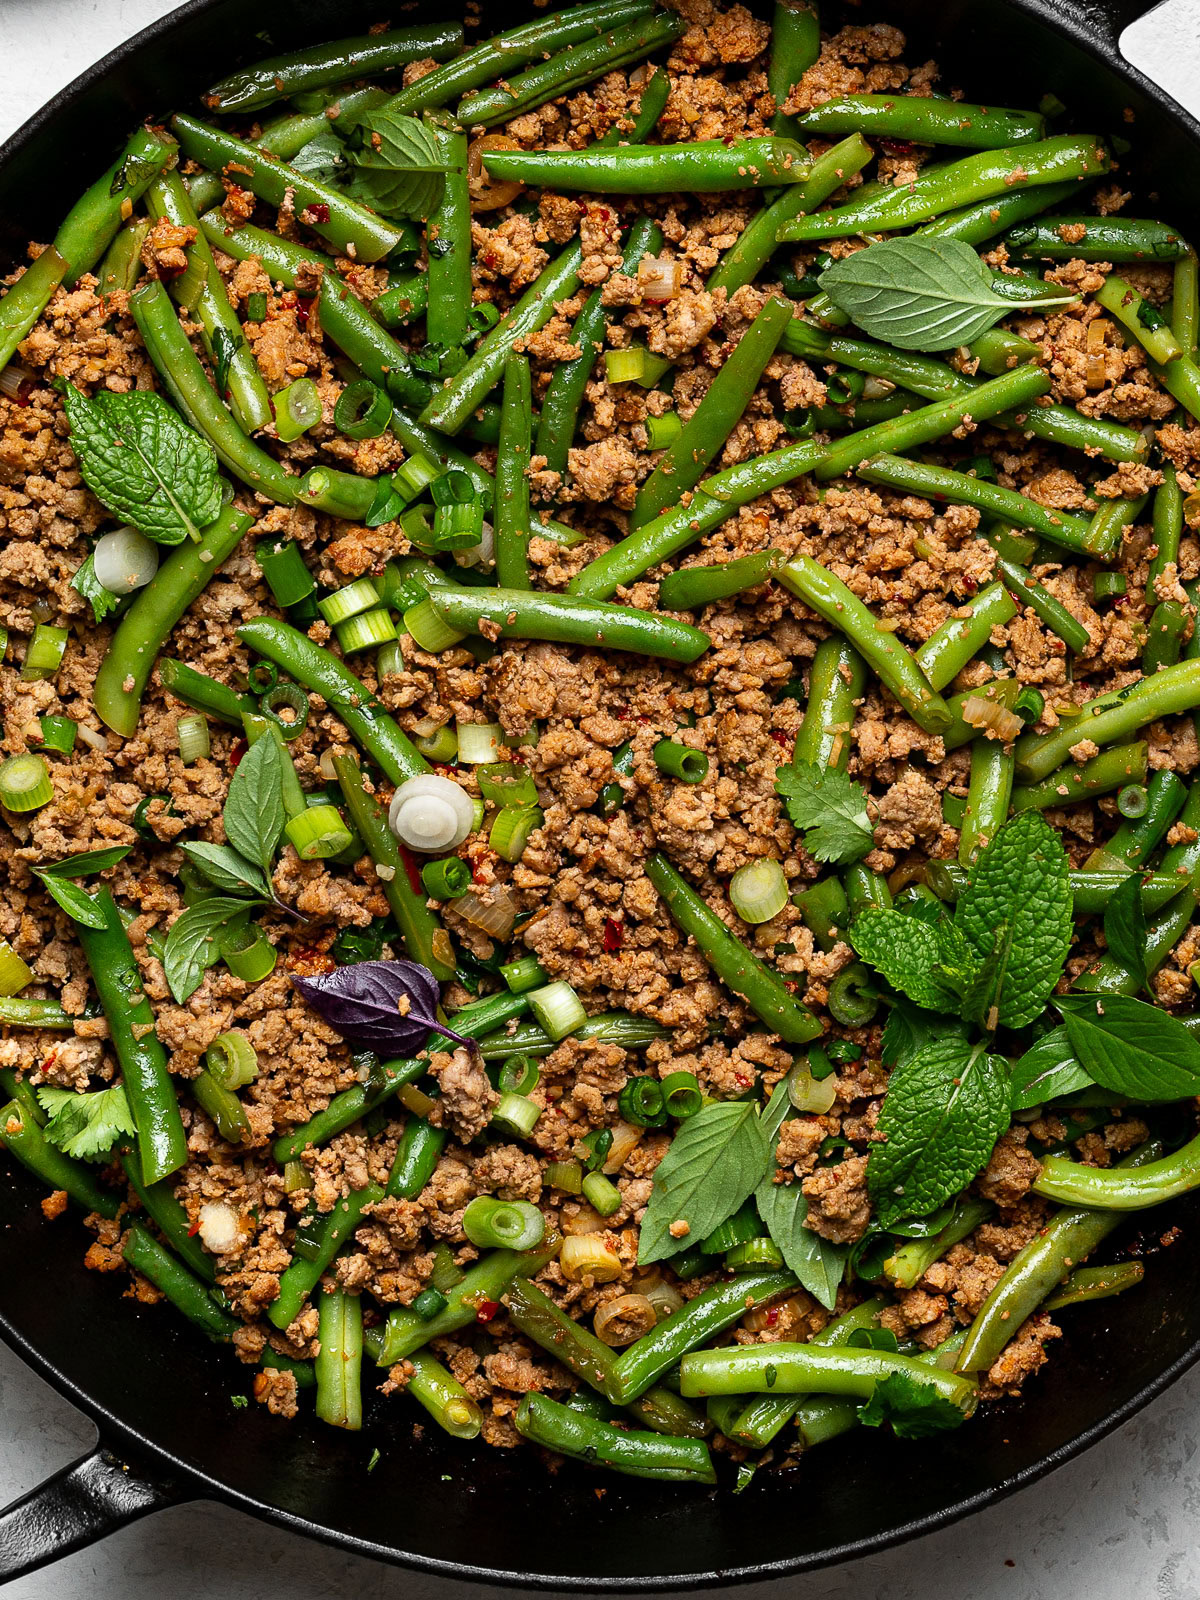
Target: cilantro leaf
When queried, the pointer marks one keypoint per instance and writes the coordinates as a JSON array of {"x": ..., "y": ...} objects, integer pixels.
[
  {"x": 253, "y": 813},
  {"x": 944, "y": 1110},
  {"x": 914, "y": 1409},
  {"x": 1125, "y": 928},
  {"x": 714, "y": 1164},
  {"x": 86, "y": 583},
  {"x": 783, "y": 1208},
  {"x": 1046, "y": 1070},
  {"x": 142, "y": 461},
  {"x": 191, "y": 946},
  {"x": 1132, "y": 1048},
  {"x": 908, "y": 952},
  {"x": 1020, "y": 882},
  {"x": 85, "y": 1125},
  {"x": 829, "y": 808}
]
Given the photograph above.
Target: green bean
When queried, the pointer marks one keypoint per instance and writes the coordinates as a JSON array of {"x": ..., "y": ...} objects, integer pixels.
[
  {"x": 998, "y": 349},
  {"x": 755, "y": 246},
  {"x": 283, "y": 260},
  {"x": 92, "y": 222},
  {"x": 21, "y": 1134},
  {"x": 451, "y": 405},
  {"x": 987, "y": 797},
  {"x": 568, "y": 1341},
  {"x": 17, "y": 1012},
  {"x": 865, "y": 890},
  {"x": 569, "y": 380},
  {"x": 349, "y": 227},
  {"x": 301, "y": 1276},
  {"x": 1107, "y": 527},
  {"x": 569, "y": 69},
  {"x": 960, "y": 638},
  {"x": 767, "y": 995},
  {"x": 339, "y": 1359},
  {"x": 1042, "y": 603},
  {"x": 1168, "y": 527},
  {"x": 169, "y": 1217},
  {"x": 200, "y": 291},
  {"x": 664, "y": 1411},
  {"x": 1175, "y": 369},
  {"x": 985, "y": 219},
  {"x": 1092, "y": 888},
  {"x": 1134, "y": 840},
  {"x": 959, "y": 488},
  {"x": 494, "y": 58},
  {"x": 1112, "y": 716},
  {"x": 326, "y": 65},
  {"x": 322, "y": 673},
  {"x": 1101, "y": 239},
  {"x": 510, "y": 518},
  {"x": 17, "y": 1087},
  {"x": 795, "y": 47},
  {"x": 610, "y": 1027},
  {"x": 706, "y": 166},
  {"x": 205, "y": 694},
  {"x": 829, "y": 597},
  {"x": 1185, "y": 303},
  {"x": 565, "y": 619},
  {"x": 482, "y": 1285},
  {"x": 925, "y": 119},
  {"x": 1043, "y": 1263},
  {"x": 24, "y": 303},
  {"x": 836, "y": 681},
  {"x": 372, "y": 349},
  {"x": 825, "y": 910},
  {"x": 162, "y": 1143},
  {"x": 421, "y": 933},
  {"x": 1168, "y": 624},
  {"x": 913, "y": 1259},
  {"x": 710, "y": 1313},
  {"x": 962, "y": 183},
  {"x": 417, "y": 1156},
  {"x": 122, "y": 264},
  {"x": 448, "y": 239},
  {"x": 810, "y": 1369},
  {"x": 1111, "y": 769},
  {"x": 404, "y": 298},
  {"x": 182, "y": 1288},
  {"x": 1095, "y": 1283},
  {"x": 442, "y": 1396},
  {"x": 684, "y": 462},
  {"x": 640, "y": 1455},
  {"x": 691, "y": 588}
]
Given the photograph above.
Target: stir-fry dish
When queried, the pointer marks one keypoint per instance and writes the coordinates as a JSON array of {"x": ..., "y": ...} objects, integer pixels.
[{"x": 600, "y": 680}]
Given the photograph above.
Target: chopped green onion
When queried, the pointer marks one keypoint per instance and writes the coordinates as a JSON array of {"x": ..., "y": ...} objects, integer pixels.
[
  {"x": 44, "y": 652},
  {"x": 296, "y": 1176},
  {"x": 288, "y": 579},
  {"x": 351, "y": 601},
  {"x": 601, "y": 1194},
  {"x": 459, "y": 525},
  {"x": 1108, "y": 585},
  {"x": 15, "y": 974},
  {"x": 516, "y": 1114},
  {"x": 1029, "y": 704},
  {"x": 429, "y": 1303},
  {"x": 593, "y": 1148},
  {"x": 482, "y": 317},
  {"x": 232, "y": 1060},
  {"x": 432, "y": 635},
  {"x": 680, "y": 761},
  {"x": 506, "y": 783},
  {"x": 1132, "y": 801},
  {"x": 641, "y": 1102},
  {"x": 441, "y": 747},
  {"x": 758, "y": 891},
  {"x": 479, "y": 743},
  {"x": 564, "y": 1175},
  {"x": 297, "y": 409},
  {"x": 558, "y": 1008},
  {"x": 681, "y": 1095},
  {"x": 363, "y": 410},
  {"x": 635, "y": 365},
  {"x": 477, "y": 811},
  {"x": 389, "y": 661},
  {"x": 446, "y": 1274},
  {"x": 511, "y": 828},
  {"x": 362, "y": 633},
  {"x": 954, "y": 809},
  {"x": 664, "y": 430},
  {"x": 446, "y": 879},
  {"x": 124, "y": 560},
  {"x": 520, "y": 976},
  {"x": 247, "y": 952},
  {"x": 192, "y": 733},
  {"x": 754, "y": 1253},
  {"x": 807, "y": 1093},
  {"x": 852, "y": 1001},
  {"x": 58, "y": 734},
  {"x": 256, "y": 306},
  {"x": 412, "y": 477},
  {"x": 518, "y": 1075},
  {"x": 262, "y": 677},
  {"x": 223, "y": 1108},
  {"x": 286, "y": 697},
  {"x": 492, "y": 1224},
  {"x": 318, "y": 833}
]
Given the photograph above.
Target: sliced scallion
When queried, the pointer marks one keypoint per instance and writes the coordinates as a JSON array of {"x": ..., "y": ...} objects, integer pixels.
[
  {"x": 15, "y": 974},
  {"x": 558, "y": 1008},
  {"x": 479, "y": 743},
  {"x": 44, "y": 652},
  {"x": 446, "y": 879},
  {"x": 492, "y": 1224},
  {"x": 192, "y": 733},
  {"x": 520, "y": 976},
  {"x": 363, "y": 410},
  {"x": 350, "y": 601},
  {"x": 758, "y": 891},
  {"x": 366, "y": 631},
  {"x": 431, "y": 634},
  {"x": 318, "y": 833},
  {"x": 232, "y": 1060},
  {"x": 511, "y": 828},
  {"x": 297, "y": 408}
]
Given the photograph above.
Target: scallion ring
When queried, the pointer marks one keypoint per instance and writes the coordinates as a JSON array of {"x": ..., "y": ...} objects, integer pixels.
[
  {"x": 492, "y": 1224},
  {"x": 124, "y": 560},
  {"x": 430, "y": 813},
  {"x": 363, "y": 410}
]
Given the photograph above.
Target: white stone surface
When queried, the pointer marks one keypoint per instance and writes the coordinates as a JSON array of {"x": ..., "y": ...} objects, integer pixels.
[{"x": 1117, "y": 1524}]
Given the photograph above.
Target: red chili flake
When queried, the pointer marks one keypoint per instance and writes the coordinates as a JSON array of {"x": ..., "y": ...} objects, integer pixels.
[
  {"x": 622, "y": 713},
  {"x": 772, "y": 1316},
  {"x": 25, "y": 392},
  {"x": 319, "y": 212},
  {"x": 485, "y": 1310},
  {"x": 898, "y": 147},
  {"x": 287, "y": 301},
  {"x": 743, "y": 1080},
  {"x": 236, "y": 751},
  {"x": 194, "y": 1229},
  {"x": 414, "y": 872},
  {"x": 780, "y": 737},
  {"x": 614, "y": 934},
  {"x": 969, "y": 583}
]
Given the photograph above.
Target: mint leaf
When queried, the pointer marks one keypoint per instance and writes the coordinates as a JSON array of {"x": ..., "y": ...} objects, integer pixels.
[
  {"x": 907, "y": 951},
  {"x": 981, "y": 997},
  {"x": 86, "y": 862},
  {"x": 191, "y": 946},
  {"x": 225, "y": 869},
  {"x": 906, "y": 1033},
  {"x": 1132, "y": 1048},
  {"x": 76, "y": 902},
  {"x": 714, "y": 1164},
  {"x": 1125, "y": 928},
  {"x": 829, "y": 808},
  {"x": 1020, "y": 882},
  {"x": 141, "y": 460},
  {"x": 1047, "y": 1070},
  {"x": 920, "y": 294},
  {"x": 398, "y": 164},
  {"x": 914, "y": 1409},
  {"x": 943, "y": 1112},
  {"x": 86, "y": 583},
  {"x": 85, "y": 1125},
  {"x": 253, "y": 813},
  {"x": 783, "y": 1207}
]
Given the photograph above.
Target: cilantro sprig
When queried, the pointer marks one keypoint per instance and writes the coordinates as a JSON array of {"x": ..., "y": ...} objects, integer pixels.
[{"x": 829, "y": 808}]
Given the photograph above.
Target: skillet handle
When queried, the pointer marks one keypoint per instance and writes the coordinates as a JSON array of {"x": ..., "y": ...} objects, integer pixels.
[
  {"x": 1101, "y": 21},
  {"x": 86, "y": 1501}
]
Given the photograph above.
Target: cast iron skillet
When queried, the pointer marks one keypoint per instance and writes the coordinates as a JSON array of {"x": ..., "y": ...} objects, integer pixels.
[{"x": 161, "y": 1396}]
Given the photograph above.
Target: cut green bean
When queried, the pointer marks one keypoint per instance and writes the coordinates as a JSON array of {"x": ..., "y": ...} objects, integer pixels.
[
  {"x": 1095, "y": 1283},
  {"x": 1112, "y": 716},
  {"x": 1087, "y": 238},
  {"x": 988, "y": 797},
  {"x": 565, "y": 619},
  {"x": 795, "y": 47},
  {"x": 959, "y": 639},
  {"x": 587, "y": 1439},
  {"x": 169, "y": 1217},
  {"x": 1131, "y": 845},
  {"x": 706, "y": 166},
  {"x": 22, "y": 1136},
  {"x": 1175, "y": 369},
  {"x": 913, "y": 1259},
  {"x": 531, "y": 1039},
  {"x": 182, "y": 1288},
  {"x": 442, "y": 1396},
  {"x": 326, "y": 65},
  {"x": 987, "y": 219},
  {"x": 924, "y": 119},
  {"x": 1168, "y": 527},
  {"x": 1165, "y": 633},
  {"x": 1103, "y": 773},
  {"x": 301, "y": 1276},
  {"x": 812, "y": 1369},
  {"x": 694, "y": 587},
  {"x": 510, "y": 516},
  {"x": 339, "y": 1359},
  {"x": 1042, "y": 603},
  {"x": 837, "y": 679}
]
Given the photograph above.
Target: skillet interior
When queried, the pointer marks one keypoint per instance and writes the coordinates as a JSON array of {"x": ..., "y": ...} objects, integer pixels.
[{"x": 160, "y": 1392}]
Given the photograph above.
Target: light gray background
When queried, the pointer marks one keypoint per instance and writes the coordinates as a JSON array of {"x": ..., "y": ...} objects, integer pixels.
[{"x": 1118, "y": 1524}]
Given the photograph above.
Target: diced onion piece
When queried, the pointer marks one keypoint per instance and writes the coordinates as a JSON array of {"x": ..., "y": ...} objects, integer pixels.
[
  {"x": 479, "y": 742},
  {"x": 124, "y": 560},
  {"x": 581, "y": 1219},
  {"x": 93, "y": 738},
  {"x": 807, "y": 1093},
  {"x": 488, "y": 193},
  {"x": 659, "y": 278},
  {"x": 415, "y": 1100},
  {"x": 219, "y": 1227},
  {"x": 758, "y": 891},
  {"x": 564, "y": 1175},
  {"x": 991, "y": 716},
  {"x": 495, "y": 916},
  {"x": 192, "y": 733},
  {"x": 589, "y": 1257},
  {"x": 13, "y": 379},
  {"x": 431, "y": 813},
  {"x": 482, "y": 554},
  {"x": 663, "y": 1296},
  {"x": 623, "y": 1319},
  {"x": 232, "y": 1060},
  {"x": 625, "y": 1140},
  {"x": 425, "y": 727}
]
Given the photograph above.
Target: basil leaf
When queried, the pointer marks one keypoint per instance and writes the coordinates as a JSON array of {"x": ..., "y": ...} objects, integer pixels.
[
  {"x": 1020, "y": 882},
  {"x": 714, "y": 1164},
  {"x": 943, "y": 1112},
  {"x": 783, "y": 1207},
  {"x": 86, "y": 583},
  {"x": 227, "y": 870},
  {"x": 398, "y": 165},
  {"x": 1132, "y": 1048},
  {"x": 1047, "y": 1070},
  {"x": 323, "y": 158},
  {"x": 142, "y": 461},
  {"x": 920, "y": 294},
  {"x": 1125, "y": 928},
  {"x": 85, "y": 862},
  {"x": 253, "y": 813},
  {"x": 363, "y": 1002},
  {"x": 76, "y": 902},
  {"x": 225, "y": 347},
  {"x": 191, "y": 946}
]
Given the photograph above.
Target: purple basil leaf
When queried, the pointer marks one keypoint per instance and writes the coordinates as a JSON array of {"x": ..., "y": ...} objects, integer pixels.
[{"x": 362, "y": 1002}]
